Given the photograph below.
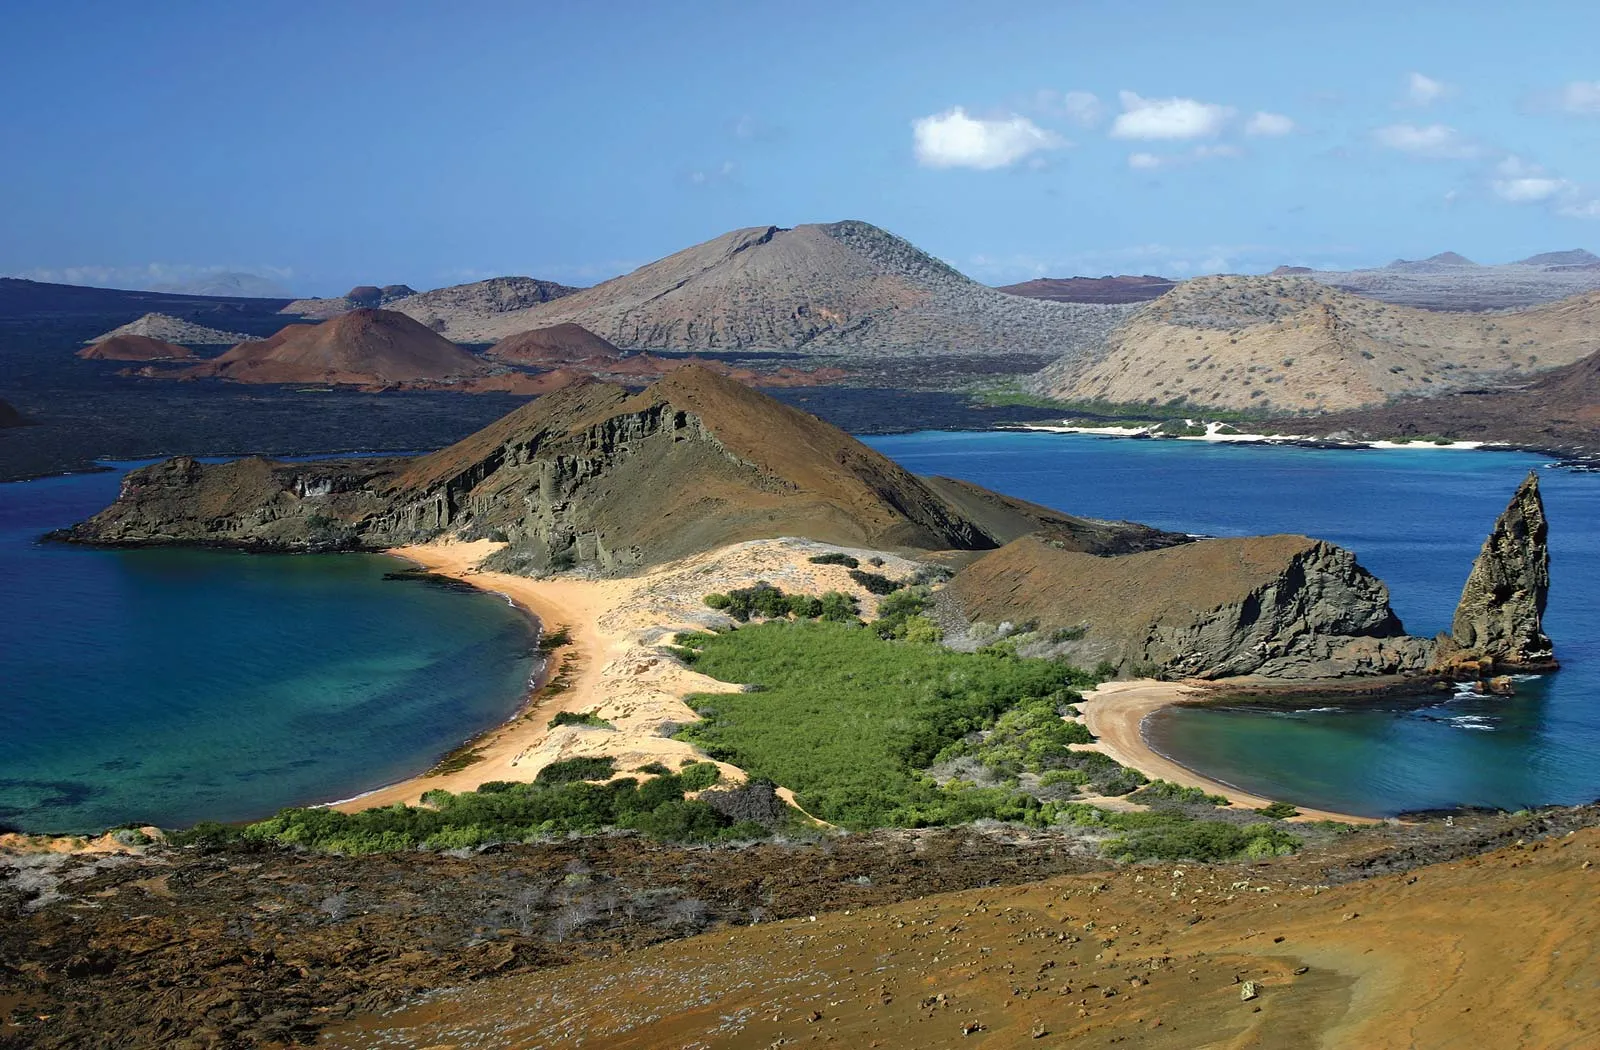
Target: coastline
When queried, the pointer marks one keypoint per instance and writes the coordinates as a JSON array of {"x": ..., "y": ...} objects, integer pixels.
[
  {"x": 1214, "y": 435},
  {"x": 1115, "y": 713}
]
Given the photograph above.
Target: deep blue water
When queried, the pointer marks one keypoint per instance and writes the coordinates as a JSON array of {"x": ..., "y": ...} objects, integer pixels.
[
  {"x": 1416, "y": 518},
  {"x": 172, "y": 686}
]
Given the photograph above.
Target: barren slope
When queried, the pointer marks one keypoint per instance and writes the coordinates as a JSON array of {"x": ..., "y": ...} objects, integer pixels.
[
  {"x": 556, "y": 345},
  {"x": 362, "y": 346},
  {"x": 135, "y": 348},
  {"x": 453, "y": 310},
  {"x": 171, "y": 329},
  {"x": 1120, "y": 289},
  {"x": 1491, "y": 952},
  {"x": 1292, "y": 344},
  {"x": 835, "y": 288}
]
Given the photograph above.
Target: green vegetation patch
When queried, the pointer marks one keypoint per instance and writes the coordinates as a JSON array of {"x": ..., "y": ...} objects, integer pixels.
[
  {"x": 834, "y": 558},
  {"x": 762, "y": 600},
  {"x": 557, "y": 803},
  {"x": 850, "y": 720},
  {"x": 1166, "y": 791},
  {"x": 1278, "y": 811},
  {"x": 574, "y": 718}
]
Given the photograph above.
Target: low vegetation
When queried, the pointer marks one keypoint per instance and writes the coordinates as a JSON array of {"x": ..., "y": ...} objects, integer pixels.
[
  {"x": 834, "y": 558},
  {"x": 573, "y": 718},
  {"x": 562, "y": 800},
  {"x": 1166, "y": 791},
  {"x": 764, "y": 601}
]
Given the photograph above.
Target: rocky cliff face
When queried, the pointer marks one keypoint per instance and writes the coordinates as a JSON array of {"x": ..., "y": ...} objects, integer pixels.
[
  {"x": 592, "y": 476},
  {"x": 1498, "y": 625},
  {"x": 1277, "y": 606}
]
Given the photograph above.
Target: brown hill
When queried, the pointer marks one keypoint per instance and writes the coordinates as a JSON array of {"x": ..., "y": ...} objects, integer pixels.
[
  {"x": 835, "y": 288},
  {"x": 361, "y": 347},
  {"x": 1558, "y": 412},
  {"x": 135, "y": 348},
  {"x": 556, "y": 345},
  {"x": 1280, "y": 606},
  {"x": 1293, "y": 344},
  {"x": 454, "y": 310},
  {"x": 1108, "y": 289},
  {"x": 596, "y": 476}
]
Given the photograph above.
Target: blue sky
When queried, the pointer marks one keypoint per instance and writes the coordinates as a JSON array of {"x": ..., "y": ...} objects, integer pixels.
[{"x": 425, "y": 143}]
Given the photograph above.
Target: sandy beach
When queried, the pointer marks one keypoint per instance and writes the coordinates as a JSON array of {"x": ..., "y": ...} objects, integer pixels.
[
  {"x": 1115, "y": 712},
  {"x": 612, "y": 666}
]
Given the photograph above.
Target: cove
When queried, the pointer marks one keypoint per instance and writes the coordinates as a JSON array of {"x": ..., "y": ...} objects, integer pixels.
[
  {"x": 169, "y": 686},
  {"x": 1416, "y": 518}
]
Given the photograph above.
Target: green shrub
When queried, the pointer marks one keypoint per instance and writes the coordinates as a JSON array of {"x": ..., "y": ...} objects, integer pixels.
[
  {"x": 698, "y": 776},
  {"x": 805, "y": 606},
  {"x": 549, "y": 641},
  {"x": 873, "y": 583},
  {"x": 588, "y": 767},
  {"x": 1165, "y": 791},
  {"x": 574, "y": 718},
  {"x": 1201, "y": 840},
  {"x": 838, "y": 607},
  {"x": 835, "y": 558},
  {"x": 1278, "y": 811},
  {"x": 656, "y": 768}
]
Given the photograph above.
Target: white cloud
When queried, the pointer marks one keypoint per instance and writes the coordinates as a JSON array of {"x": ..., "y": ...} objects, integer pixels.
[
  {"x": 952, "y": 139},
  {"x": 1434, "y": 141},
  {"x": 1520, "y": 182},
  {"x": 1168, "y": 118},
  {"x": 1144, "y": 161},
  {"x": 1268, "y": 124},
  {"x": 1581, "y": 97},
  {"x": 1424, "y": 90}
]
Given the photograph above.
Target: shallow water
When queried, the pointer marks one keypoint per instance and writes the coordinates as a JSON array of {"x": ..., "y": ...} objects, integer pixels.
[
  {"x": 170, "y": 686},
  {"x": 1416, "y": 518}
]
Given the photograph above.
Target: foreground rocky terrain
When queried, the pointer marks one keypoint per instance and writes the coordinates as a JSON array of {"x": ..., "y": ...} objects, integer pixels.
[
  {"x": 1291, "y": 344},
  {"x": 917, "y": 936}
]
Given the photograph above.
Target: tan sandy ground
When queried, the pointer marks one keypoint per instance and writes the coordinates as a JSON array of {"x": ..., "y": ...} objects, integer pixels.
[
  {"x": 617, "y": 671},
  {"x": 1115, "y": 712},
  {"x": 1496, "y": 951}
]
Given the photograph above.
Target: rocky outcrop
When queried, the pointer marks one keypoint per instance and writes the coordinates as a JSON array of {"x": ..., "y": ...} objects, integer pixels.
[
  {"x": 169, "y": 329},
  {"x": 593, "y": 476},
  {"x": 1275, "y": 606},
  {"x": 1498, "y": 626}
]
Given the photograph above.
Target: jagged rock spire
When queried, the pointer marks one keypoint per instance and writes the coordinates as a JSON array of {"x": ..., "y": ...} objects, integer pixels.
[{"x": 1499, "y": 618}]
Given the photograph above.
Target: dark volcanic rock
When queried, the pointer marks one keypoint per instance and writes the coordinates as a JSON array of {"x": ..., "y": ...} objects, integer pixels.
[
  {"x": 1498, "y": 622},
  {"x": 9, "y": 416}
]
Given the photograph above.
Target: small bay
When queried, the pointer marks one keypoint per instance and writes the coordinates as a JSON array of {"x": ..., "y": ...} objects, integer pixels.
[
  {"x": 1414, "y": 516},
  {"x": 175, "y": 685}
]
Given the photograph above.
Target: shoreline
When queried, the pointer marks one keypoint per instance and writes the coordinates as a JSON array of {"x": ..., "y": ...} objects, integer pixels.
[{"x": 1115, "y": 712}]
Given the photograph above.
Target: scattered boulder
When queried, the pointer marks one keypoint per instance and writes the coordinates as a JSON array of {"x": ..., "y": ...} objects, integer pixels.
[{"x": 1498, "y": 625}]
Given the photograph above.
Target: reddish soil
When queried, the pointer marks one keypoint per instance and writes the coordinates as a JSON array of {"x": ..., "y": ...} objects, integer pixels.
[
  {"x": 136, "y": 348},
  {"x": 362, "y": 347}
]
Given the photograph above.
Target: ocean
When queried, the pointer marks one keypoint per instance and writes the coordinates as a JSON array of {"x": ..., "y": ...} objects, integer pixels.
[
  {"x": 169, "y": 686},
  {"x": 1416, "y": 517}
]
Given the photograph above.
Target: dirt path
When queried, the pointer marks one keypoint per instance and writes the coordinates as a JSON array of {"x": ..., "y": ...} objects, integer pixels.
[{"x": 1115, "y": 713}]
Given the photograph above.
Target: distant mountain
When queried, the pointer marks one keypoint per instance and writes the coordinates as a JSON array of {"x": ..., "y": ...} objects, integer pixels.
[
  {"x": 1577, "y": 257},
  {"x": 1290, "y": 271},
  {"x": 362, "y": 295},
  {"x": 1120, "y": 289},
  {"x": 1291, "y": 344},
  {"x": 168, "y": 329},
  {"x": 1444, "y": 261},
  {"x": 129, "y": 347},
  {"x": 560, "y": 344},
  {"x": 234, "y": 285},
  {"x": 454, "y": 310},
  {"x": 38, "y": 299},
  {"x": 366, "y": 347},
  {"x": 844, "y": 287},
  {"x": 1448, "y": 281}
]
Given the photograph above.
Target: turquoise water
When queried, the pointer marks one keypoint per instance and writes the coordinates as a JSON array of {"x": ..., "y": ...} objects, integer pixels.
[
  {"x": 172, "y": 686},
  {"x": 1416, "y": 518}
]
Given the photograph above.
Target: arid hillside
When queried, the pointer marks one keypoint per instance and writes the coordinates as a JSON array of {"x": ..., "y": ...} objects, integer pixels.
[
  {"x": 1558, "y": 412},
  {"x": 559, "y": 344},
  {"x": 451, "y": 310},
  {"x": 1449, "y": 281},
  {"x": 362, "y": 346},
  {"x": 1291, "y": 344},
  {"x": 135, "y": 348},
  {"x": 169, "y": 329},
  {"x": 844, "y": 287},
  {"x": 1493, "y": 951}
]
